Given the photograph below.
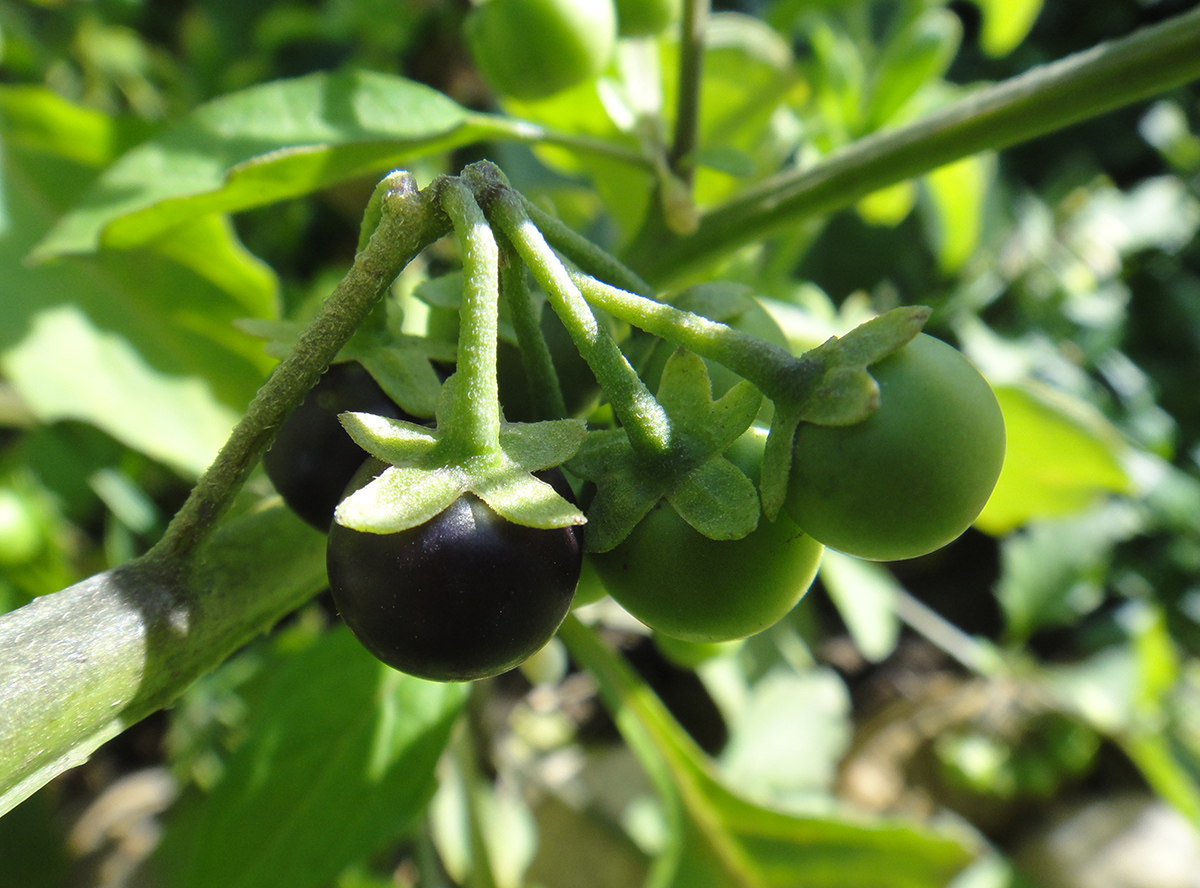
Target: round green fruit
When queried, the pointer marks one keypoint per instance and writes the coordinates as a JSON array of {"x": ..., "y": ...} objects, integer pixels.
[
  {"x": 643, "y": 18},
  {"x": 532, "y": 49},
  {"x": 912, "y": 476},
  {"x": 683, "y": 584}
]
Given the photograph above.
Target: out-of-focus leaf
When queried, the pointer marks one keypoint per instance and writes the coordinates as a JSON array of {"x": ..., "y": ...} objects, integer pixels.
[
  {"x": 66, "y": 368},
  {"x": 254, "y": 147},
  {"x": 915, "y": 54},
  {"x": 864, "y": 594},
  {"x": 1005, "y": 23},
  {"x": 956, "y": 196},
  {"x": 718, "y": 839},
  {"x": 1054, "y": 571},
  {"x": 787, "y": 736},
  {"x": 889, "y": 206},
  {"x": 338, "y": 759},
  {"x": 1061, "y": 456},
  {"x": 1122, "y": 692},
  {"x": 136, "y": 343}
]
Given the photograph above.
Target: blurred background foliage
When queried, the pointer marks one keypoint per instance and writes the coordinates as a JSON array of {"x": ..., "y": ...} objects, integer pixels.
[{"x": 1036, "y": 685}]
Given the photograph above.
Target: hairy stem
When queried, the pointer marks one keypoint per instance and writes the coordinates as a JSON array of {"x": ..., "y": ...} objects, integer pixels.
[
  {"x": 408, "y": 223},
  {"x": 545, "y": 392},
  {"x": 475, "y": 413},
  {"x": 645, "y": 421}
]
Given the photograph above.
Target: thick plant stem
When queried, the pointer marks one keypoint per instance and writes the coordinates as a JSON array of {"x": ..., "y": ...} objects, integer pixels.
[
  {"x": 409, "y": 222},
  {"x": 682, "y": 158},
  {"x": 474, "y": 423},
  {"x": 645, "y": 421},
  {"x": 1040, "y": 101}
]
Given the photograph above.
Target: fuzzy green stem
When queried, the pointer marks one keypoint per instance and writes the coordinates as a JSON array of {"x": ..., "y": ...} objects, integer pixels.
[
  {"x": 1040, "y": 101},
  {"x": 408, "y": 223},
  {"x": 774, "y": 370},
  {"x": 544, "y": 389},
  {"x": 589, "y": 257},
  {"x": 474, "y": 422},
  {"x": 644, "y": 420}
]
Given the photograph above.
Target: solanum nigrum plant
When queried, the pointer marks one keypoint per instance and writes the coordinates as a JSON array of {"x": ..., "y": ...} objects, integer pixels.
[{"x": 686, "y": 526}]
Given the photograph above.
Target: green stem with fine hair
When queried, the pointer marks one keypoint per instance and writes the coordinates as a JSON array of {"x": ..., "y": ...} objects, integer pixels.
[
  {"x": 644, "y": 420},
  {"x": 409, "y": 221},
  {"x": 473, "y": 427},
  {"x": 545, "y": 392}
]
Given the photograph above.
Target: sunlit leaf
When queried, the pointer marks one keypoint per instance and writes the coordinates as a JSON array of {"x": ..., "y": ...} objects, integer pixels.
[
  {"x": 1005, "y": 23},
  {"x": 250, "y": 148},
  {"x": 1061, "y": 456},
  {"x": 956, "y": 194}
]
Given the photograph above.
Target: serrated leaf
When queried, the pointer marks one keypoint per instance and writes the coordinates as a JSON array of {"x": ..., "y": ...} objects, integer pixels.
[
  {"x": 400, "y": 498},
  {"x": 717, "y": 499},
  {"x": 524, "y": 499},
  {"x": 338, "y": 760},
  {"x": 257, "y": 146}
]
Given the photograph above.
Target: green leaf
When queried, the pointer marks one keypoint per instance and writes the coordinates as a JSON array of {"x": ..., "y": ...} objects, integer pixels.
[
  {"x": 1061, "y": 456},
  {"x": 338, "y": 760},
  {"x": 401, "y": 367},
  {"x": 1005, "y": 23},
  {"x": 718, "y": 839},
  {"x": 67, "y": 368},
  {"x": 956, "y": 194},
  {"x": 254, "y": 147},
  {"x": 1055, "y": 571},
  {"x": 136, "y": 344},
  {"x": 915, "y": 54}
]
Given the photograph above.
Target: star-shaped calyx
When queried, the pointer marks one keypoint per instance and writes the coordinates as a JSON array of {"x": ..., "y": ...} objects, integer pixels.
[
  {"x": 705, "y": 488},
  {"x": 843, "y": 393},
  {"x": 428, "y": 471}
]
